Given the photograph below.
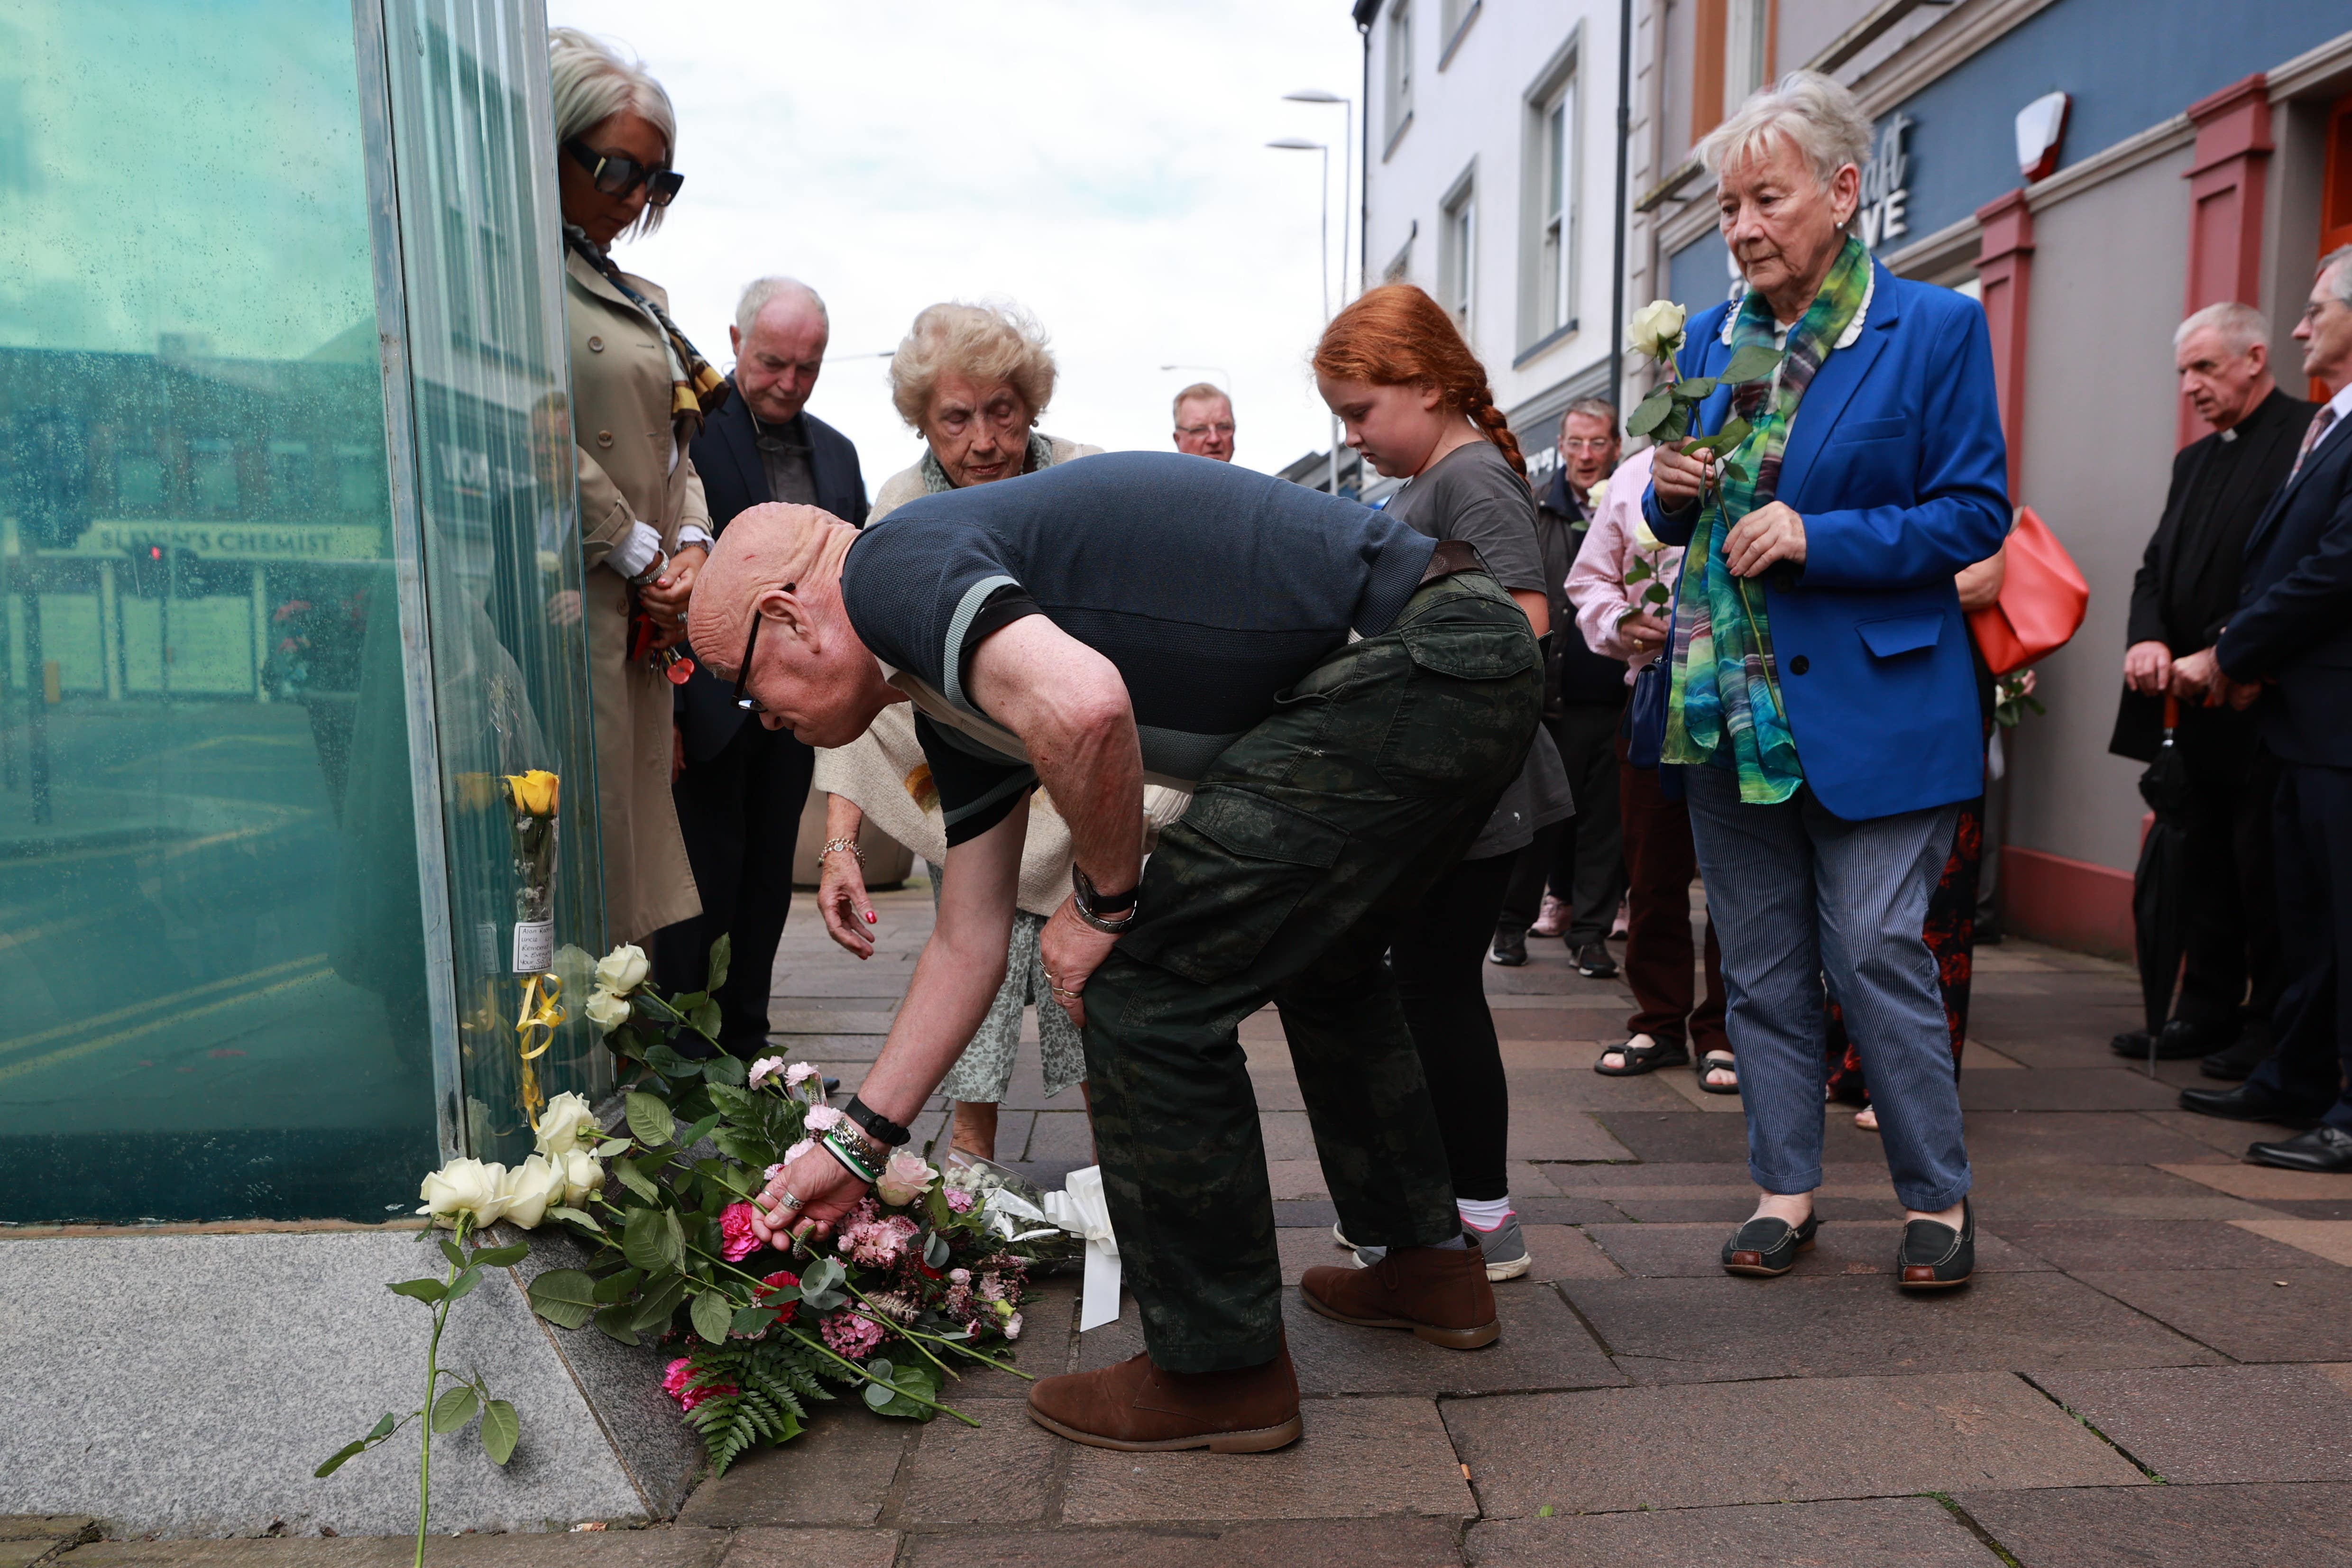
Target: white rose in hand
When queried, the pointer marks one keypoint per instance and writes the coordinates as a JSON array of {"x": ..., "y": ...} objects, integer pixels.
[
  {"x": 560, "y": 1125},
  {"x": 584, "y": 1174},
  {"x": 605, "y": 1011},
  {"x": 465, "y": 1187},
  {"x": 529, "y": 1190},
  {"x": 623, "y": 970},
  {"x": 1657, "y": 330}
]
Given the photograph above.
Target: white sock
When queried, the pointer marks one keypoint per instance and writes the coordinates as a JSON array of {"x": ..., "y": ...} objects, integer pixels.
[{"x": 1483, "y": 1216}]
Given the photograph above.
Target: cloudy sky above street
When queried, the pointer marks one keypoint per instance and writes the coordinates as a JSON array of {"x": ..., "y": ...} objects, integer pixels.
[{"x": 1100, "y": 162}]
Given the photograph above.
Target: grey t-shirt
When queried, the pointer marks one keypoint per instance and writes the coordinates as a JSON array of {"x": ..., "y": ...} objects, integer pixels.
[{"x": 1473, "y": 494}]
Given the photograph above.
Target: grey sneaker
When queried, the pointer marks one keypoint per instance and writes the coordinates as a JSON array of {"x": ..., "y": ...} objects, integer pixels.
[{"x": 1505, "y": 1247}]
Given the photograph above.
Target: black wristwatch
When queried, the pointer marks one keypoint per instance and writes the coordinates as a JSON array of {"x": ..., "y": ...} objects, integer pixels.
[
  {"x": 879, "y": 1127},
  {"x": 1108, "y": 911}
]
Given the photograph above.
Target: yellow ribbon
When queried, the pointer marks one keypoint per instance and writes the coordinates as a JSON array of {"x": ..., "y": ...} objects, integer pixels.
[{"x": 543, "y": 1010}]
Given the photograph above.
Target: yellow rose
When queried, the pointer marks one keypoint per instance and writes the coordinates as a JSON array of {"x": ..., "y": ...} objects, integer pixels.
[
  {"x": 534, "y": 791},
  {"x": 623, "y": 969},
  {"x": 1657, "y": 330}
]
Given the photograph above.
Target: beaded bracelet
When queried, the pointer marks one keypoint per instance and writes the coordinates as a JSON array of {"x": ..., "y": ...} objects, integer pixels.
[{"x": 849, "y": 1162}]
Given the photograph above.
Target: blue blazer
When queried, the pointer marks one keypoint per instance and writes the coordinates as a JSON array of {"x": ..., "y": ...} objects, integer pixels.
[
  {"x": 1896, "y": 464},
  {"x": 2294, "y": 626}
]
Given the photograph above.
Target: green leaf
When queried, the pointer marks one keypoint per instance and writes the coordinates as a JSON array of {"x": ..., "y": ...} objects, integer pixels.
[
  {"x": 449, "y": 1250},
  {"x": 712, "y": 1315},
  {"x": 879, "y": 1395},
  {"x": 635, "y": 1180},
  {"x": 336, "y": 1460},
  {"x": 1638, "y": 572},
  {"x": 724, "y": 1069},
  {"x": 751, "y": 1320},
  {"x": 653, "y": 1241},
  {"x": 384, "y": 1427},
  {"x": 1654, "y": 594},
  {"x": 1752, "y": 362},
  {"x": 746, "y": 1148},
  {"x": 685, "y": 1002},
  {"x": 501, "y": 1256},
  {"x": 722, "y": 951},
  {"x": 700, "y": 1131},
  {"x": 500, "y": 1427},
  {"x": 650, "y": 1119},
  {"x": 1676, "y": 425},
  {"x": 614, "y": 1287},
  {"x": 463, "y": 1285},
  {"x": 570, "y": 1215},
  {"x": 659, "y": 1304},
  {"x": 455, "y": 1409},
  {"x": 936, "y": 1251},
  {"x": 615, "y": 1322},
  {"x": 706, "y": 1020},
  {"x": 426, "y": 1290},
  {"x": 1695, "y": 389},
  {"x": 1653, "y": 408},
  {"x": 564, "y": 1297},
  {"x": 670, "y": 1064}
]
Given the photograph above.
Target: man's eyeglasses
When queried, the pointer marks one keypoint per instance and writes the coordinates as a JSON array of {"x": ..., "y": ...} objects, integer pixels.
[
  {"x": 1588, "y": 444},
  {"x": 617, "y": 176},
  {"x": 1197, "y": 430},
  {"x": 743, "y": 699}
]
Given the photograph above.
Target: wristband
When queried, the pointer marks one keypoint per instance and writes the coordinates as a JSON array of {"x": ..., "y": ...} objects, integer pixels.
[
  {"x": 849, "y": 1162},
  {"x": 880, "y": 1128},
  {"x": 1108, "y": 912}
]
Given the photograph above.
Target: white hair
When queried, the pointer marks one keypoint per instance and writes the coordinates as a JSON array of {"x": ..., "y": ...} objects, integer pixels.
[
  {"x": 2339, "y": 263},
  {"x": 1816, "y": 116},
  {"x": 990, "y": 341},
  {"x": 593, "y": 83},
  {"x": 2241, "y": 325},
  {"x": 760, "y": 290}
]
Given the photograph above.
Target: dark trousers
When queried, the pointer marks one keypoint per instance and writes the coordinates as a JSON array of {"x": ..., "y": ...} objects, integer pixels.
[
  {"x": 1439, "y": 958},
  {"x": 1582, "y": 859},
  {"x": 741, "y": 814},
  {"x": 2312, "y": 835},
  {"x": 2231, "y": 933},
  {"x": 1659, "y": 865},
  {"x": 1309, "y": 841}
]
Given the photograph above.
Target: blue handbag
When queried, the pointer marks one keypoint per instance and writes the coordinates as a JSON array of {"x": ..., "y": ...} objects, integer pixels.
[{"x": 1645, "y": 713}]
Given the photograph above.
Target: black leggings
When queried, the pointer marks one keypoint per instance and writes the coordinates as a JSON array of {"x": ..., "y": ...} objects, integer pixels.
[{"x": 1439, "y": 957}]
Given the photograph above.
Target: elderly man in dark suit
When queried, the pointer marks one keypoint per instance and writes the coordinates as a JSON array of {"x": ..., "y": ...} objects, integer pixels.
[
  {"x": 739, "y": 788},
  {"x": 2289, "y": 645},
  {"x": 2186, "y": 589}
]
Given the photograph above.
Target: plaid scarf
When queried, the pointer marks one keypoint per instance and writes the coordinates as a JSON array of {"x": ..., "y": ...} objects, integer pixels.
[
  {"x": 935, "y": 478},
  {"x": 696, "y": 389},
  {"x": 1721, "y": 634}
]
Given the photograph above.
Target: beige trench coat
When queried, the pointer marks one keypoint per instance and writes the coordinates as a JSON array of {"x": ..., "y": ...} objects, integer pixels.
[{"x": 620, "y": 419}]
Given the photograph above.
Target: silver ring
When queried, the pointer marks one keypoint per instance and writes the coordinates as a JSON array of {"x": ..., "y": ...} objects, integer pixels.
[{"x": 789, "y": 1203}]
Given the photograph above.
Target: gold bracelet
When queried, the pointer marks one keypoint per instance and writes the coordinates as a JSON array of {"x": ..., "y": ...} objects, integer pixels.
[{"x": 849, "y": 844}]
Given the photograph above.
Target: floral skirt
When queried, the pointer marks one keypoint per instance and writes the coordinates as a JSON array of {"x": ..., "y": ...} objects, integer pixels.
[{"x": 984, "y": 1072}]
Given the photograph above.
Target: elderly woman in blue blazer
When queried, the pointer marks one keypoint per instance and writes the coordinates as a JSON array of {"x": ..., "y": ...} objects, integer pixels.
[{"x": 1821, "y": 703}]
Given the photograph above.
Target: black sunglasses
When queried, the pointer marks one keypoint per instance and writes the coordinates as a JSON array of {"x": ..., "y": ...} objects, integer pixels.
[
  {"x": 617, "y": 176},
  {"x": 742, "y": 672}
]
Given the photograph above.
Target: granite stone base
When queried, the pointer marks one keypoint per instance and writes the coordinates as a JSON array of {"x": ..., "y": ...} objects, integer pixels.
[{"x": 188, "y": 1385}]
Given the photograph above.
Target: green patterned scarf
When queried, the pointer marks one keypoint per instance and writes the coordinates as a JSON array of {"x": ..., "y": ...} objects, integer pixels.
[{"x": 1726, "y": 687}]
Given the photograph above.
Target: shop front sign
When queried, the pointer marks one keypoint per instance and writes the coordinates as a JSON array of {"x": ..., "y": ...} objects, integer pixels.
[{"x": 1886, "y": 184}]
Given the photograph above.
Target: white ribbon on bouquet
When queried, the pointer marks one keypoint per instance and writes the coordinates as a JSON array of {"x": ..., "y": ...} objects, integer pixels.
[{"x": 1083, "y": 1211}]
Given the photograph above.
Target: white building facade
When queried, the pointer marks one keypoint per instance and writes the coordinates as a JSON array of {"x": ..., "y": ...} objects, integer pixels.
[{"x": 1490, "y": 142}]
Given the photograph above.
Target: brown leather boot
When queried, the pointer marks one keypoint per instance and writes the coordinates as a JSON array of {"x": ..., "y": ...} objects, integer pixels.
[
  {"x": 1441, "y": 1293},
  {"x": 1137, "y": 1407}
]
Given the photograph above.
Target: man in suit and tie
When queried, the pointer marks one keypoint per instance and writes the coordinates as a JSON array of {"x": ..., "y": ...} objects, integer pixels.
[
  {"x": 2186, "y": 591},
  {"x": 2289, "y": 646},
  {"x": 740, "y": 787}
]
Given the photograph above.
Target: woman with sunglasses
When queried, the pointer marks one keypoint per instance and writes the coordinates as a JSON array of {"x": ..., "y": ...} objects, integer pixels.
[{"x": 638, "y": 394}]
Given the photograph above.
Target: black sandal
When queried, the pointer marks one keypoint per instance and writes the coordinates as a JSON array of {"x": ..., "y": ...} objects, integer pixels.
[
  {"x": 1718, "y": 1061},
  {"x": 1767, "y": 1247},
  {"x": 1641, "y": 1059}
]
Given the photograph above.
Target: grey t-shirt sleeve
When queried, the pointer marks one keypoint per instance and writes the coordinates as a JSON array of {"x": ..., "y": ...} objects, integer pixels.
[{"x": 1473, "y": 495}]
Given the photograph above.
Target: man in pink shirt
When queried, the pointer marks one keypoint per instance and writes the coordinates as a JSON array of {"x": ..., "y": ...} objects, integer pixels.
[{"x": 1622, "y": 586}]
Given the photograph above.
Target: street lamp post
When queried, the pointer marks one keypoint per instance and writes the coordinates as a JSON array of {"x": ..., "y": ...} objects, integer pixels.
[
  {"x": 1300, "y": 145},
  {"x": 1346, "y": 164}
]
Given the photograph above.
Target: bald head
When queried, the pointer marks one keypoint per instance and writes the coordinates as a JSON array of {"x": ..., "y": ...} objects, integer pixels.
[{"x": 808, "y": 672}]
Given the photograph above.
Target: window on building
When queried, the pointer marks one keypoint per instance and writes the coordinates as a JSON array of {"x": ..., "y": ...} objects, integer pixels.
[
  {"x": 1548, "y": 295},
  {"x": 1457, "y": 251},
  {"x": 1454, "y": 18},
  {"x": 1731, "y": 57},
  {"x": 1400, "y": 73}
]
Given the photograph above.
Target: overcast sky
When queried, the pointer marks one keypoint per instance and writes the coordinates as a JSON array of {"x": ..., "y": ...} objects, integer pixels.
[{"x": 1100, "y": 162}]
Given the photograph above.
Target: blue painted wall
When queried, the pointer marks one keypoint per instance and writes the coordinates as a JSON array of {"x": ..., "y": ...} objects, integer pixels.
[
  {"x": 1699, "y": 275},
  {"x": 2127, "y": 63}
]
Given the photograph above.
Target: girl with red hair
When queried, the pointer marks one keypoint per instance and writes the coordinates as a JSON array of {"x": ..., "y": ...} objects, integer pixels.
[{"x": 1416, "y": 405}]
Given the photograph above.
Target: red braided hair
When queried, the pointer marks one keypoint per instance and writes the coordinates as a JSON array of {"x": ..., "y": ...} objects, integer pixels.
[{"x": 1395, "y": 335}]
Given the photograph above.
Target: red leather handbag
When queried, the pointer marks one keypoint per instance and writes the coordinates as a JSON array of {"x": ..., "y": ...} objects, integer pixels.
[{"x": 2043, "y": 599}]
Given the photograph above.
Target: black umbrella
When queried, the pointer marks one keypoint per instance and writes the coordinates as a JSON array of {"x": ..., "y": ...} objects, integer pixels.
[{"x": 2158, "y": 891}]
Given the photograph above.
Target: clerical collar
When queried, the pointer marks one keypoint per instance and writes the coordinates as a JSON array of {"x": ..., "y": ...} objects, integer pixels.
[{"x": 2231, "y": 433}]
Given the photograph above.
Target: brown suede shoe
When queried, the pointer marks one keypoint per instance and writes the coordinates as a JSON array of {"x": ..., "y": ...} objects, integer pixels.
[
  {"x": 1441, "y": 1293},
  {"x": 1137, "y": 1407}
]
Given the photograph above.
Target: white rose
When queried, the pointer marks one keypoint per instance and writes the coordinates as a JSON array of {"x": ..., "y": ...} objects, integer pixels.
[
  {"x": 623, "y": 969},
  {"x": 529, "y": 1190},
  {"x": 1594, "y": 496},
  {"x": 1657, "y": 330},
  {"x": 1643, "y": 538},
  {"x": 584, "y": 1173},
  {"x": 605, "y": 1011},
  {"x": 465, "y": 1187},
  {"x": 560, "y": 1125},
  {"x": 905, "y": 1179}
]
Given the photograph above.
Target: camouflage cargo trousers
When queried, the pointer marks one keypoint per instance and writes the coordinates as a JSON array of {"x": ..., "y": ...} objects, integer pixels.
[{"x": 1307, "y": 841}]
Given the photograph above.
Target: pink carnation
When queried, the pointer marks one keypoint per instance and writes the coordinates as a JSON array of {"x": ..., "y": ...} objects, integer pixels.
[
  {"x": 678, "y": 1382},
  {"x": 879, "y": 1243},
  {"x": 798, "y": 1073},
  {"x": 958, "y": 1200},
  {"x": 737, "y": 1240},
  {"x": 853, "y": 1334},
  {"x": 824, "y": 1119}
]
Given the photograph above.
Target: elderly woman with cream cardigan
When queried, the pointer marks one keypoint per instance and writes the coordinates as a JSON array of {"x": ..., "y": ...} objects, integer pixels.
[{"x": 972, "y": 381}]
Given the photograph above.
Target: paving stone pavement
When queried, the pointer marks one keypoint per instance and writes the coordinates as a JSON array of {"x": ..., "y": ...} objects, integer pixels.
[{"x": 2153, "y": 1366}]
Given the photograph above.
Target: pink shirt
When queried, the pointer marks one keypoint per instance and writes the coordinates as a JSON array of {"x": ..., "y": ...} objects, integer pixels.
[{"x": 1596, "y": 584}]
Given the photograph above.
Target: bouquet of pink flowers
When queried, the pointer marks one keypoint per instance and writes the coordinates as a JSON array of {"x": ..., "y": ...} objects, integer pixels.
[{"x": 916, "y": 1282}]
